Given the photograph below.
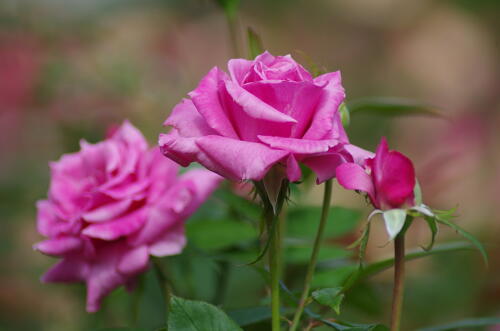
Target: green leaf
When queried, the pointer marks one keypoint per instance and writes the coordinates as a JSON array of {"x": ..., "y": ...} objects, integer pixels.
[
  {"x": 253, "y": 315},
  {"x": 246, "y": 208},
  {"x": 341, "y": 325},
  {"x": 247, "y": 316},
  {"x": 190, "y": 315},
  {"x": 394, "y": 221},
  {"x": 215, "y": 235},
  {"x": 363, "y": 243},
  {"x": 431, "y": 222},
  {"x": 445, "y": 214},
  {"x": 121, "y": 329},
  {"x": 391, "y": 107},
  {"x": 303, "y": 222},
  {"x": 331, "y": 297},
  {"x": 230, "y": 7},
  {"x": 375, "y": 268},
  {"x": 344, "y": 114},
  {"x": 255, "y": 46},
  {"x": 467, "y": 323},
  {"x": 302, "y": 254},
  {"x": 333, "y": 278},
  {"x": 466, "y": 235}
]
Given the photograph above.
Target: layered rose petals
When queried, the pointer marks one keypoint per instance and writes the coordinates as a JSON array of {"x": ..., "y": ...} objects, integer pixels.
[
  {"x": 112, "y": 205},
  {"x": 266, "y": 111},
  {"x": 388, "y": 178}
]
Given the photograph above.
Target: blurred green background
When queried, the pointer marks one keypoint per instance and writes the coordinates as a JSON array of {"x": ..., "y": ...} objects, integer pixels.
[{"x": 68, "y": 69}]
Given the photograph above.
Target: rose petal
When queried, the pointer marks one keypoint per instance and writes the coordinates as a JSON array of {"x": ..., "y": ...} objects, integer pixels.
[
  {"x": 353, "y": 177},
  {"x": 170, "y": 243},
  {"x": 238, "y": 69},
  {"x": 67, "y": 270},
  {"x": 398, "y": 181},
  {"x": 324, "y": 117},
  {"x": 59, "y": 246},
  {"x": 134, "y": 261},
  {"x": 204, "y": 182},
  {"x": 49, "y": 224},
  {"x": 297, "y": 100},
  {"x": 159, "y": 219},
  {"x": 299, "y": 146},
  {"x": 117, "y": 228},
  {"x": 239, "y": 160},
  {"x": 130, "y": 135},
  {"x": 255, "y": 107},
  {"x": 293, "y": 172},
  {"x": 324, "y": 165},
  {"x": 206, "y": 98},
  {"x": 108, "y": 211},
  {"x": 188, "y": 121},
  {"x": 358, "y": 154}
]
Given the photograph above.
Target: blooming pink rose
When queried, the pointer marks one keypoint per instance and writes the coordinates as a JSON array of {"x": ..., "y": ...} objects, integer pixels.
[
  {"x": 112, "y": 205},
  {"x": 388, "y": 178},
  {"x": 266, "y": 111}
]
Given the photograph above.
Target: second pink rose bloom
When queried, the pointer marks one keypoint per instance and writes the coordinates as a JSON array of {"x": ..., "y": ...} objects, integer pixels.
[
  {"x": 265, "y": 112},
  {"x": 111, "y": 206}
]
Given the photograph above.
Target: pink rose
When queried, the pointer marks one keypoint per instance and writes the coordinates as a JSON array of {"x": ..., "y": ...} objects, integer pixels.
[
  {"x": 266, "y": 111},
  {"x": 110, "y": 206},
  {"x": 388, "y": 178}
]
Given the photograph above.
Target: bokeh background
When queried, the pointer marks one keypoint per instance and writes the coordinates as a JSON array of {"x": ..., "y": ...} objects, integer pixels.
[{"x": 70, "y": 68}]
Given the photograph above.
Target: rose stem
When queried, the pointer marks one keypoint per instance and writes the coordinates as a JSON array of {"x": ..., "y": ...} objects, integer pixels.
[
  {"x": 314, "y": 256},
  {"x": 399, "y": 273},
  {"x": 274, "y": 267},
  {"x": 163, "y": 282}
]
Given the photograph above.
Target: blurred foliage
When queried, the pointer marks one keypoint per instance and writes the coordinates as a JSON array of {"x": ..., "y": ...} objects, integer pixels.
[{"x": 93, "y": 63}]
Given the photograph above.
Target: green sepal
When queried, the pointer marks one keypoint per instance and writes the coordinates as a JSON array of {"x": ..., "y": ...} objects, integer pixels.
[
  {"x": 445, "y": 216},
  {"x": 431, "y": 222},
  {"x": 331, "y": 297}
]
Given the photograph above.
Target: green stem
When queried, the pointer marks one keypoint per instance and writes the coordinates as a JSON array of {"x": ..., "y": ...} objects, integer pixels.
[
  {"x": 163, "y": 282},
  {"x": 221, "y": 287},
  {"x": 314, "y": 256},
  {"x": 274, "y": 268},
  {"x": 399, "y": 273}
]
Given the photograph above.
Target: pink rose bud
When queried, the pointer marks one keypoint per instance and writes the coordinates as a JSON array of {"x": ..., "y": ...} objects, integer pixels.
[
  {"x": 388, "y": 178},
  {"x": 265, "y": 112},
  {"x": 112, "y": 205}
]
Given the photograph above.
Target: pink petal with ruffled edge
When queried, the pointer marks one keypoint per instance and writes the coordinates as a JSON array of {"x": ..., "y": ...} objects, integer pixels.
[
  {"x": 67, "y": 270},
  {"x": 119, "y": 227},
  {"x": 134, "y": 261},
  {"x": 353, "y": 177},
  {"x": 298, "y": 100},
  {"x": 204, "y": 183},
  {"x": 239, "y": 160},
  {"x": 299, "y": 146},
  {"x": 188, "y": 121},
  {"x": 170, "y": 243},
  {"x": 324, "y": 165},
  {"x": 324, "y": 117},
  {"x": 256, "y": 107},
  {"x": 108, "y": 211},
  {"x": 59, "y": 246},
  {"x": 238, "y": 69},
  {"x": 49, "y": 224},
  {"x": 206, "y": 98}
]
